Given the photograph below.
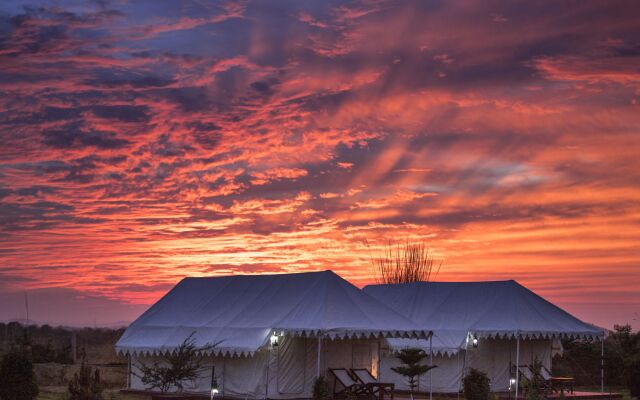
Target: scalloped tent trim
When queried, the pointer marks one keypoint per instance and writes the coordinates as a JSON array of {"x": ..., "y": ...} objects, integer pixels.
[
  {"x": 238, "y": 352},
  {"x": 450, "y": 351}
]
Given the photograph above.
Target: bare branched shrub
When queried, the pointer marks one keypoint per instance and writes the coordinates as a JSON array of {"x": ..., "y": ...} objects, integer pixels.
[
  {"x": 173, "y": 369},
  {"x": 404, "y": 263}
]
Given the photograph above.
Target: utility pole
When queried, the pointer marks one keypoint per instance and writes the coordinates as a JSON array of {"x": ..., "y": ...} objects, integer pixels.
[
  {"x": 26, "y": 305},
  {"x": 74, "y": 346}
]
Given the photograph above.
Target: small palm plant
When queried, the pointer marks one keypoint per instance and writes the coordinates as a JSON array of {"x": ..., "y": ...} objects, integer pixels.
[{"x": 411, "y": 367}]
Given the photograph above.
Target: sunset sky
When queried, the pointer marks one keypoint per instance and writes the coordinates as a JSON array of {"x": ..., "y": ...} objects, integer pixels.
[{"x": 145, "y": 141}]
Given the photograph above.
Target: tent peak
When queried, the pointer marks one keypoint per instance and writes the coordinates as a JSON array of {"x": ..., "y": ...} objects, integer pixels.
[
  {"x": 260, "y": 276},
  {"x": 457, "y": 283}
]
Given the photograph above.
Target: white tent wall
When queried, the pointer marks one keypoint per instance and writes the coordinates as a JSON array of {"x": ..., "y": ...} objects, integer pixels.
[
  {"x": 294, "y": 364},
  {"x": 446, "y": 377},
  {"x": 290, "y": 368},
  {"x": 493, "y": 356},
  {"x": 236, "y": 376}
]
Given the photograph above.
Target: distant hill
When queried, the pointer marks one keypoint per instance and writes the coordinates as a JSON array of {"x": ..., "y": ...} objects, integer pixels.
[{"x": 25, "y": 322}]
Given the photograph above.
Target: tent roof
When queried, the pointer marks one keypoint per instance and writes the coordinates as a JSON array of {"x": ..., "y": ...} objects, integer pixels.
[
  {"x": 238, "y": 313},
  {"x": 487, "y": 309}
]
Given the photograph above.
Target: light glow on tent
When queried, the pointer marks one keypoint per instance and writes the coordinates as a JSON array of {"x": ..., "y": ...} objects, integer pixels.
[
  {"x": 473, "y": 339},
  {"x": 274, "y": 340}
]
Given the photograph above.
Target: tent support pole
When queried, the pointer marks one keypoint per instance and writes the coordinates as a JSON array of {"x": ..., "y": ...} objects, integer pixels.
[
  {"x": 517, "y": 364},
  {"x": 602, "y": 364},
  {"x": 128, "y": 371},
  {"x": 266, "y": 385},
  {"x": 431, "y": 365},
  {"x": 463, "y": 372},
  {"x": 319, "y": 352},
  {"x": 459, "y": 385},
  {"x": 378, "y": 362}
]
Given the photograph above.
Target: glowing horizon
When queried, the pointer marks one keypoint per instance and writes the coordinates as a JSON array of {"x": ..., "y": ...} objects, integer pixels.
[{"x": 144, "y": 142}]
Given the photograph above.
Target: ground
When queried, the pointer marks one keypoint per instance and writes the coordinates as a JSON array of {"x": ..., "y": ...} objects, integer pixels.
[{"x": 60, "y": 393}]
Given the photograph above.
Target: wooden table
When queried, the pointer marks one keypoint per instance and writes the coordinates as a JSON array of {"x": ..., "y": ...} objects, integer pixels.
[{"x": 561, "y": 382}]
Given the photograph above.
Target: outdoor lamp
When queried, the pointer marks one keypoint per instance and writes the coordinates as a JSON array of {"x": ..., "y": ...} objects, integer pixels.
[
  {"x": 214, "y": 382},
  {"x": 512, "y": 383},
  {"x": 475, "y": 341},
  {"x": 274, "y": 340}
]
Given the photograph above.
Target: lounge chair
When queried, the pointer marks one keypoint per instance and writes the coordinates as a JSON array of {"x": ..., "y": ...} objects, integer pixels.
[
  {"x": 527, "y": 374},
  {"x": 374, "y": 387},
  {"x": 350, "y": 386},
  {"x": 557, "y": 383}
]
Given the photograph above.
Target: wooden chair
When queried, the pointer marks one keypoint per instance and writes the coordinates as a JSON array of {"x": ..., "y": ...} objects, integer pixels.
[
  {"x": 373, "y": 386},
  {"x": 350, "y": 386}
]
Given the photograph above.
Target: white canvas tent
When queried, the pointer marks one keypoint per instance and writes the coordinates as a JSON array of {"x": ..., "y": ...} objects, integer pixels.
[
  {"x": 512, "y": 326},
  {"x": 321, "y": 320}
]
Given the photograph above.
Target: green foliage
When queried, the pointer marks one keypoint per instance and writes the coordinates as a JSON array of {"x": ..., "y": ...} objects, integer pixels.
[
  {"x": 535, "y": 388},
  {"x": 17, "y": 379},
  {"x": 85, "y": 384},
  {"x": 411, "y": 368},
  {"x": 633, "y": 378},
  {"x": 43, "y": 353},
  {"x": 47, "y": 353},
  {"x": 53, "y": 344},
  {"x": 175, "y": 368},
  {"x": 321, "y": 389},
  {"x": 581, "y": 359},
  {"x": 476, "y": 385}
]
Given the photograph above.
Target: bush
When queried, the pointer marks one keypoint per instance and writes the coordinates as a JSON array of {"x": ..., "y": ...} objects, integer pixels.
[
  {"x": 321, "y": 389},
  {"x": 17, "y": 379},
  {"x": 174, "y": 369},
  {"x": 85, "y": 384},
  {"x": 476, "y": 385},
  {"x": 43, "y": 353}
]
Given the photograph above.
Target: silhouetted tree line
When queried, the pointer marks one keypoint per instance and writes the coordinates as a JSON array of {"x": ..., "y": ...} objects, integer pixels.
[
  {"x": 54, "y": 344},
  {"x": 18, "y": 379},
  {"x": 581, "y": 359}
]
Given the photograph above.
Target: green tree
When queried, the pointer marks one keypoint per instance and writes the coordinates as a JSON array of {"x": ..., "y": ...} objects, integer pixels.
[
  {"x": 476, "y": 385},
  {"x": 411, "y": 367},
  {"x": 535, "y": 388},
  {"x": 17, "y": 379},
  {"x": 321, "y": 389}
]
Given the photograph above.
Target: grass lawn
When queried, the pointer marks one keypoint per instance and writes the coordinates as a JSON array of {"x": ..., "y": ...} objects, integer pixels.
[{"x": 60, "y": 393}]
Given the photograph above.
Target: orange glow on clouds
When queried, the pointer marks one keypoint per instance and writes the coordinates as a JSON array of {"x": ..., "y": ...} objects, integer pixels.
[{"x": 143, "y": 144}]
